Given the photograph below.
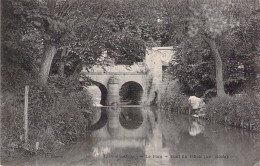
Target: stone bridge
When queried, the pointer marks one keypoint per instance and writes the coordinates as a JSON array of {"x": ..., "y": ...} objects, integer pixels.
[{"x": 143, "y": 80}]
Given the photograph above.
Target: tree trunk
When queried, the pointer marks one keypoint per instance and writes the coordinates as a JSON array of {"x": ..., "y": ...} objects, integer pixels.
[
  {"x": 219, "y": 68},
  {"x": 62, "y": 61},
  {"x": 49, "y": 52}
]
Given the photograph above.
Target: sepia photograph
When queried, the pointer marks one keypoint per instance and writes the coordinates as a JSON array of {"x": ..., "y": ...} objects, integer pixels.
[{"x": 130, "y": 83}]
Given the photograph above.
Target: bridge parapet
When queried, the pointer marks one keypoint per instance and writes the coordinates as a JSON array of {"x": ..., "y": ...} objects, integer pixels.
[{"x": 139, "y": 67}]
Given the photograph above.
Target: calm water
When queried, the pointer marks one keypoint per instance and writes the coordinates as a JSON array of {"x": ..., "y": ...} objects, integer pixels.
[{"x": 143, "y": 136}]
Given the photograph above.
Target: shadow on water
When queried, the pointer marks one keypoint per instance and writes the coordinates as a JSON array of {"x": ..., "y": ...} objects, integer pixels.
[{"x": 146, "y": 136}]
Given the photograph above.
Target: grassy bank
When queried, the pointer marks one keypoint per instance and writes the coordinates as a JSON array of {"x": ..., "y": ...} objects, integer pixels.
[
  {"x": 55, "y": 118},
  {"x": 238, "y": 111}
]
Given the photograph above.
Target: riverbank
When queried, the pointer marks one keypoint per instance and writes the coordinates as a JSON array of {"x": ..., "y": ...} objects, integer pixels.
[
  {"x": 237, "y": 111},
  {"x": 62, "y": 130},
  {"x": 241, "y": 111},
  {"x": 55, "y": 119},
  {"x": 164, "y": 139}
]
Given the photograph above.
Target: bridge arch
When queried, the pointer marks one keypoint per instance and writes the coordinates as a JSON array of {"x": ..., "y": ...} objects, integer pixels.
[
  {"x": 103, "y": 91},
  {"x": 131, "y": 93}
]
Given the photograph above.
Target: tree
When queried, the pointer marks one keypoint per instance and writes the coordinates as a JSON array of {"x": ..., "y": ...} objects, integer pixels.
[
  {"x": 52, "y": 24},
  {"x": 18, "y": 64},
  {"x": 74, "y": 32},
  {"x": 124, "y": 30},
  {"x": 210, "y": 22},
  {"x": 217, "y": 25}
]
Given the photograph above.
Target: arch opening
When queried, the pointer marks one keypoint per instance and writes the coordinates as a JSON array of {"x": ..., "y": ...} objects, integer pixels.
[
  {"x": 131, "y": 93},
  {"x": 99, "y": 93},
  {"x": 103, "y": 90}
]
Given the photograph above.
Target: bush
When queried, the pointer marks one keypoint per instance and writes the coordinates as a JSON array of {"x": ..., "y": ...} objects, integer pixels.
[
  {"x": 173, "y": 100},
  {"x": 11, "y": 124},
  {"x": 241, "y": 111},
  {"x": 55, "y": 117},
  {"x": 176, "y": 103}
]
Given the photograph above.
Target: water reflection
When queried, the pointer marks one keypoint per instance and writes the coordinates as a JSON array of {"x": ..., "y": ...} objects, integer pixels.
[
  {"x": 197, "y": 127},
  {"x": 131, "y": 134},
  {"x": 144, "y": 136}
]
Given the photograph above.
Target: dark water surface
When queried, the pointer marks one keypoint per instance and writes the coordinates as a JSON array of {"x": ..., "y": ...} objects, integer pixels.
[{"x": 146, "y": 136}]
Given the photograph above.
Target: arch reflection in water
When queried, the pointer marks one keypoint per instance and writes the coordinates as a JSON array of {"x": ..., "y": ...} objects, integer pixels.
[
  {"x": 118, "y": 120},
  {"x": 131, "y": 118},
  {"x": 125, "y": 142},
  {"x": 101, "y": 122},
  {"x": 117, "y": 139}
]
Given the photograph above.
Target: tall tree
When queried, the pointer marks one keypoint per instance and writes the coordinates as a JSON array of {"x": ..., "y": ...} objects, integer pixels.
[
  {"x": 215, "y": 23},
  {"x": 211, "y": 22}
]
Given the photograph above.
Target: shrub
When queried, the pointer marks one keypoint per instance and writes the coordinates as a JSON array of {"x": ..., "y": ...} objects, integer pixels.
[
  {"x": 11, "y": 124},
  {"x": 177, "y": 103},
  {"x": 55, "y": 117},
  {"x": 240, "y": 111},
  {"x": 173, "y": 100}
]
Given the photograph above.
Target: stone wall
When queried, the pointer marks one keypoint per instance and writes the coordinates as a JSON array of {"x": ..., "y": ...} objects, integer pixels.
[{"x": 154, "y": 59}]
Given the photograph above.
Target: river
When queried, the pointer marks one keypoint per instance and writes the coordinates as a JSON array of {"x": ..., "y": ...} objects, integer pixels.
[{"x": 138, "y": 136}]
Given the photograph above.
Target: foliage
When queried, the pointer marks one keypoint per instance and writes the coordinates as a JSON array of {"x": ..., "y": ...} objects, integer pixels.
[
  {"x": 212, "y": 20},
  {"x": 232, "y": 27},
  {"x": 172, "y": 99},
  {"x": 55, "y": 116},
  {"x": 18, "y": 64},
  {"x": 194, "y": 73},
  {"x": 236, "y": 109},
  {"x": 11, "y": 123},
  {"x": 83, "y": 28},
  {"x": 125, "y": 29}
]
